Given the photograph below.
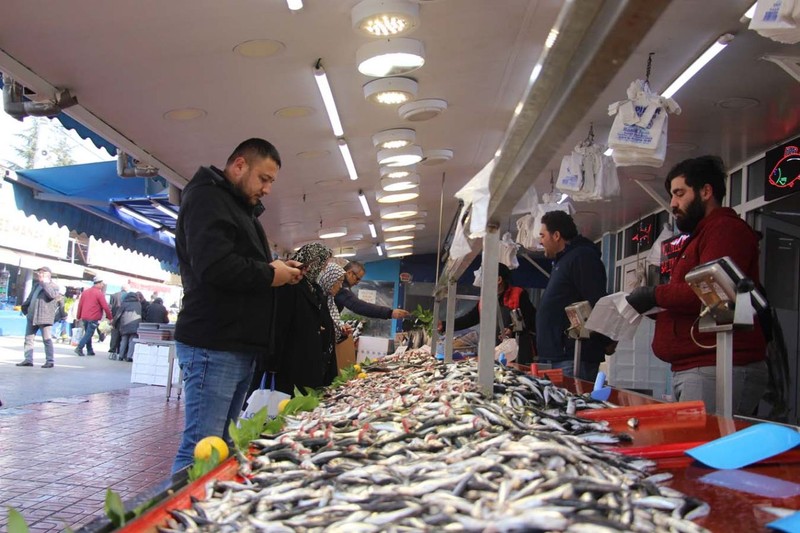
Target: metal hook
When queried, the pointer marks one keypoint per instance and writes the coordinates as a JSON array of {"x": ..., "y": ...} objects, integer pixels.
[{"x": 589, "y": 140}]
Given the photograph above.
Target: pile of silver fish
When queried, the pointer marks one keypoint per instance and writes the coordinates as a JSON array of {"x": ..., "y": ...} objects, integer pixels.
[{"x": 415, "y": 447}]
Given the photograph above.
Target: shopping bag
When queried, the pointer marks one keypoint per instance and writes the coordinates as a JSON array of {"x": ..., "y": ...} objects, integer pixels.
[
  {"x": 77, "y": 333},
  {"x": 263, "y": 397},
  {"x": 509, "y": 348}
]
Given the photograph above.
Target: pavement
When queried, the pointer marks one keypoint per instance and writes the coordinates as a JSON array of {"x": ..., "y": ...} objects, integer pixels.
[{"x": 72, "y": 375}]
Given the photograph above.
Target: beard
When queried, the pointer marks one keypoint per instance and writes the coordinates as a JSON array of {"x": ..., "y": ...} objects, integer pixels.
[{"x": 687, "y": 221}]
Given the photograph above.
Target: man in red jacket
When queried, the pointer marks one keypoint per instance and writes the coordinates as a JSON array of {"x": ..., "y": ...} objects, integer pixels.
[
  {"x": 91, "y": 307},
  {"x": 697, "y": 187}
]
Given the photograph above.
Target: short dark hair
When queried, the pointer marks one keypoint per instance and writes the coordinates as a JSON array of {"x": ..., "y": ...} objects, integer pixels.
[
  {"x": 561, "y": 222},
  {"x": 255, "y": 148},
  {"x": 699, "y": 171},
  {"x": 504, "y": 272},
  {"x": 353, "y": 265}
]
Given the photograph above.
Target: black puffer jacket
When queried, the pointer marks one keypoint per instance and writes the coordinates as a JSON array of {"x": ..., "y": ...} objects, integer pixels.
[
  {"x": 129, "y": 315},
  {"x": 224, "y": 257}
]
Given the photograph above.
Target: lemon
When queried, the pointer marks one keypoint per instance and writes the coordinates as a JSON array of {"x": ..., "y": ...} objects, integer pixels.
[
  {"x": 202, "y": 449},
  {"x": 362, "y": 375},
  {"x": 357, "y": 367},
  {"x": 282, "y": 404}
]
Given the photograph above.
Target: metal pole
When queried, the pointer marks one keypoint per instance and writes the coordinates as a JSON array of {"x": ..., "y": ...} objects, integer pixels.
[
  {"x": 724, "y": 393},
  {"x": 486, "y": 342},
  {"x": 434, "y": 324},
  {"x": 576, "y": 361},
  {"x": 451, "y": 313},
  {"x": 434, "y": 328}
]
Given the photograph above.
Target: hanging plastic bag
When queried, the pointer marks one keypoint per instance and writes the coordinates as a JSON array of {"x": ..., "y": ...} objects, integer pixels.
[
  {"x": 778, "y": 20},
  {"x": 262, "y": 397},
  {"x": 570, "y": 175},
  {"x": 508, "y": 251},
  {"x": 461, "y": 245},
  {"x": 478, "y": 276},
  {"x": 507, "y": 347},
  {"x": 525, "y": 235}
]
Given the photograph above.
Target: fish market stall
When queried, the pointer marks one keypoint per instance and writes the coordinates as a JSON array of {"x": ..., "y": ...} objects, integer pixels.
[{"x": 415, "y": 446}]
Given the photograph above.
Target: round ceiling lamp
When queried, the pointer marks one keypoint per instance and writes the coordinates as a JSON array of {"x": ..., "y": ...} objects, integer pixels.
[
  {"x": 398, "y": 212},
  {"x": 332, "y": 233},
  {"x": 436, "y": 157},
  {"x": 397, "y": 172},
  {"x": 394, "y": 138},
  {"x": 420, "y": 110},
  {"x": 347, "y": 251},
  {"x": 383, "y": 18},
  {"x": 401, "y": 253},
  {"x": 391, "y": 91},
  {"x": 401, "y": 157},
  {"x": 398, "y": 246},
  {"x": 400, "y": 226},
  {"x": 399, "y": 238},
  {"x": 384, "y": 197},
  {"x": 400, "y": 184},
  {"x": 390, "y": 57}
]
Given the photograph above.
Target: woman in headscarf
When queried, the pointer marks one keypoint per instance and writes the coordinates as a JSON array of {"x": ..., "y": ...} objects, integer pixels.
[
  {"x": 304, "y": 333},
  {"x": 331, "y": 281}
]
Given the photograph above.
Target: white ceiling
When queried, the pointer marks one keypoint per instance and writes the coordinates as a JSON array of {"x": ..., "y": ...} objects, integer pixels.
[{"x": 129, "y": 62}]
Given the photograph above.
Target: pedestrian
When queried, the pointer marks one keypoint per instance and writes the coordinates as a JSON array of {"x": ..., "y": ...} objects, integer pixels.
[
  {"x": 126, "y": 321},
  {"x": 143, "y": 302},
  {"x": 40, "y": 309},
  {"x": 59, "y": 332},
  {"x": 228, "y": 279},
  {"x": 354, "y": 272},
  {"x": 697, "y": 187},
  {"x": 115, "y": 301},
  {"x": 578, "y": 274},
  {"x": 156, "y": 312},
  {"x": 331, "y": 279},
  {"x": 91, "y": 308},
  {"x": 304, "y": 331}
]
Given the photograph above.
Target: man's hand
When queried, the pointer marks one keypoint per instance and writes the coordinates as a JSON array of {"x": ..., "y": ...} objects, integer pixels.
[
  {"x": 400, "y": 313},
  {"x": 347, "y": 330},
  {"x": 642, "y": 299},
  {"x": 505, "y": 334},
  {"x": 440, "y": 326},
  {"x": 285, "y": 273}
]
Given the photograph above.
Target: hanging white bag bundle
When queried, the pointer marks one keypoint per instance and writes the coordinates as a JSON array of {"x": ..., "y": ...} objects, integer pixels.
[
  {"x": 778, "y": 20},
  {"x": 263, "y": 397},
  {"x": 508, "y": 251},
  {"x": 639, "y": 132}
]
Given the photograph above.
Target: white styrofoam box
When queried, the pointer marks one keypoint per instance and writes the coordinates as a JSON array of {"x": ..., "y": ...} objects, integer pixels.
[
  {"x": 163, "y": 351},
  {"x": 373, "y": 348},
  {"x": 635, "y": 366}
]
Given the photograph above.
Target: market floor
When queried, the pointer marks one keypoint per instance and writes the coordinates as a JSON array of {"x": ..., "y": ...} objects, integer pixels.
[{"x": 59, "y": 455}]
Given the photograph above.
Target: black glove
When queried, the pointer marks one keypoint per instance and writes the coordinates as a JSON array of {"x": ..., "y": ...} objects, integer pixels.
[{"x": 642, "y": 299}]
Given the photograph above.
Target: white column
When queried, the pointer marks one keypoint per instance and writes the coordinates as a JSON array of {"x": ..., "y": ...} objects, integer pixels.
[
  {"x": 486, "y": 343},
  {"x": 451, "y": 315}
]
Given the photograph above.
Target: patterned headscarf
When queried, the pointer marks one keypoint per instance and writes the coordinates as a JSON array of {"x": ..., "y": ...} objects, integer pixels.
[
  {"x": 313, "y": 255},
  {"x": 328, "y": 279}
]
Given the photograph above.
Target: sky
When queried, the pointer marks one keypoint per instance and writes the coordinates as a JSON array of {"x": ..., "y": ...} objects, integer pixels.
[{"x": 82, "y": 151}]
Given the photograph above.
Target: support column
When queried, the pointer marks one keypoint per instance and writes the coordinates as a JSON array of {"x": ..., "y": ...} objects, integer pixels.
[
  {"x": 451, "y": 315},
  {"x": 486, "y": 342}
]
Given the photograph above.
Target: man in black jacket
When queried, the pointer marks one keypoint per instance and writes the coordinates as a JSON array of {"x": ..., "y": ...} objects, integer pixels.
[
  {"x": 228, "y": 277},
  {"x": 40, "y": 308},
  {"x": 578, "y": 274},
  {"x": 353, "y": 273}
]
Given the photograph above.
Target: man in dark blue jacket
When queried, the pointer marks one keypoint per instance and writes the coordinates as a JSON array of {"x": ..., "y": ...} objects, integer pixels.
[
  {"x": 228, "y": 299},
  {"x": 353, "y": 273},
  {"x": 578, "y": 274}
]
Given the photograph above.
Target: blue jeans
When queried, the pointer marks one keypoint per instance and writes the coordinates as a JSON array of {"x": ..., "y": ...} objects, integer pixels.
[
  {"x": 749, "y": 384},
  {"x": 86, "y": 340},
  {"x": 215, "y": 384}
]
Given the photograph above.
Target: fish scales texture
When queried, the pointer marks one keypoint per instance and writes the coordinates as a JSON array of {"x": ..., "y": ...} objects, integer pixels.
[{"x": 416, "y": 447}]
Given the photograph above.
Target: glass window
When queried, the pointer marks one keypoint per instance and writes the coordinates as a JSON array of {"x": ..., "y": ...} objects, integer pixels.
[
  {"x": 755, "y": 179},
  {"x": 735, "y": 193},
  {"x": 617, "y": 278},
  {"x": 619, "y": 246}
]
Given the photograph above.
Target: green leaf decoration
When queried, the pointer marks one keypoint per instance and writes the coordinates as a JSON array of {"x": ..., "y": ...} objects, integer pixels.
[
  {"x": 202, "y": 467},
  {"x": 115, "y": 510},
  {"x": 16, "y": 522}
]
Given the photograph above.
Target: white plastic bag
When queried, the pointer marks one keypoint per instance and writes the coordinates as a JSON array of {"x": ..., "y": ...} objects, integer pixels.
[
  {"x": 509, "y": 347},
  {"x": 508, "y": 251},
  {"x": 778, "y": 20},
  {"x": 263, "y": 397},
  {"x": 461, "y": 245},
  {"x": 525, "y": 235}
]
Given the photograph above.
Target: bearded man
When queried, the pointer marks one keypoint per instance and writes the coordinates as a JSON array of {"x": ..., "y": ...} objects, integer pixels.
[{"x": 697, "y": 187}]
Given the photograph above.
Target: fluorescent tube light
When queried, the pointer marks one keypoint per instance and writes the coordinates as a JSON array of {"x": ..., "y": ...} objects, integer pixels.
[
  {"x": 348, "y": 159},
  {"x": 380, "y": 251},
  {"x": 608, "y": 151},
  {"x": 295, "y": 5},
  {"x": 327, "y": 98},
  {"x": 699, "y": 63},
  {"x": 137, "y": 216},
  {"x": 168, "y": 233},
  {"x": 166, "y": 210},
  {"x": 372, "y": 230},
  {"x": 365, "y": 206}
]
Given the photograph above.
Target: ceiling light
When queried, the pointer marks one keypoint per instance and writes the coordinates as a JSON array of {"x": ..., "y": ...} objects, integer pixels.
[
  {"x": 535, "y": 72},
  {"x": 397, "y": 172},
  {"x": 295, "y": 5},
  {"x": 399, "y": 246},
  {"x": 398, "y": 212},
  {"x": 347, "y": 251},
  {"x": 400, "y": 157},
  {"x": 364, "y": 204},
  {"x": 187, "y": 113},
  {"x": 402, "y": 226},
  {"x": 348, "y": 159},
  {"x": 396, "y": 197},
  {"x": 258, "y": 48},
  {"x": 400, "y": 184},
  {"x": 498, "y": 152},
  {"x": 379, "y": 18},
  {"x": 551, "y": 38},
  {"x": 398, "y": 254},
  {"x": 608, "y": 151},
  {"x": 395, "y": 138},
  {"x": 391, "y": 91},
  {"x": 166, "y": 210},
  {"x": 168, "y": 233},
  {"x": 436, "y": 157},
  {"x": 332, "y": 233},
  {"x": 141, "y": 218},
  {"x": 390, "y": 57},
  {"x": 699, "y": 63},
  {"x": 327, "y": 98},
  {"x": 420, "y": 110},
  {"x": 518, "y": 109},
  {"x": 294, "y": 112},
  {"x": 399, "y": 238},
  {"x": 373, "y": 231},
  {"x": 380, "y": 251}
]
